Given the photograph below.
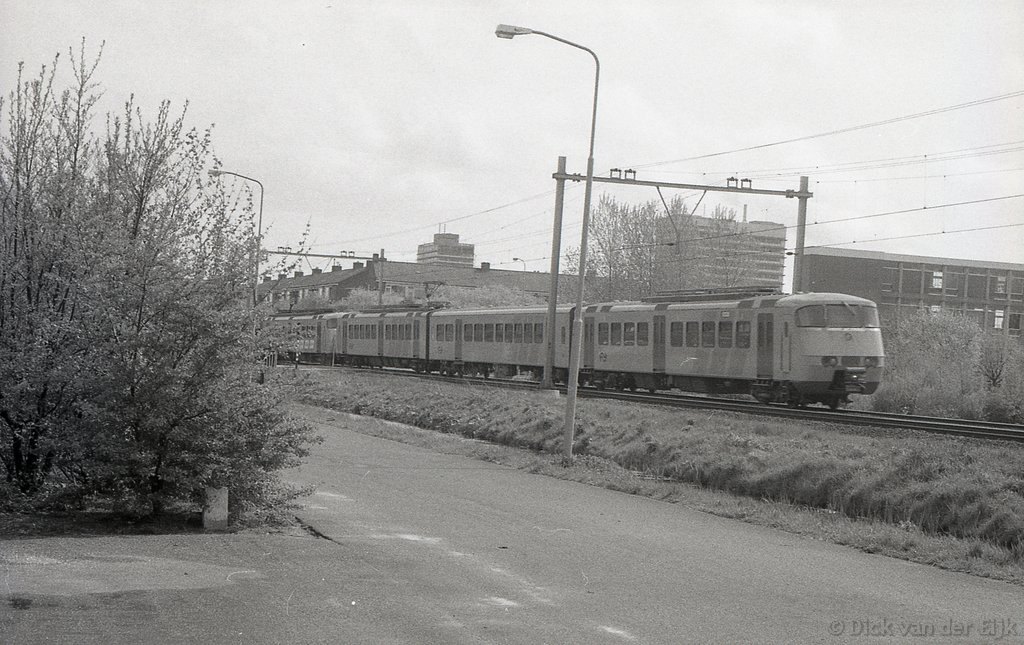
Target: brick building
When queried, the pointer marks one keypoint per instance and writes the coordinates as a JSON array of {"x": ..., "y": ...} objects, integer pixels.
[{"x": 990, "y": 293}]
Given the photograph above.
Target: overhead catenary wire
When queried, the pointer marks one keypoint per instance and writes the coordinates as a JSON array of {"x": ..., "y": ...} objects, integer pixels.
[{"x": 863, "y": 126}]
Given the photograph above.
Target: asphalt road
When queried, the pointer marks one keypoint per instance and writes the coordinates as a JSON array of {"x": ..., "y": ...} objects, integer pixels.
[{"x": 419, "y": 547}]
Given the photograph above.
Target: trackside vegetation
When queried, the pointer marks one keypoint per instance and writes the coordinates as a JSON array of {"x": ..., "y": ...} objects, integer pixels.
[
  {"x": 971, "y": 491},
  {"x": 128, "y": 331}
]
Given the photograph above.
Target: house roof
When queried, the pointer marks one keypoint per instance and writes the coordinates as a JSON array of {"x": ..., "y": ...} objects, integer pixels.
[{"x": 416, "y": 273}]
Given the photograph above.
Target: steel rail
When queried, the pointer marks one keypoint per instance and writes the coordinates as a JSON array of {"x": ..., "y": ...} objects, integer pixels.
[{"x": 951, "y": 427}]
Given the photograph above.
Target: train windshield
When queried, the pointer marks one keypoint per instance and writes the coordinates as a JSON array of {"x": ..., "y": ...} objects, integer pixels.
[{"x": 841, "y": 315}]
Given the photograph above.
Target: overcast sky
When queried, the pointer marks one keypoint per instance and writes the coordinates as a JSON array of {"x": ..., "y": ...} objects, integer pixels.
[{"x": 380, "y": 123}]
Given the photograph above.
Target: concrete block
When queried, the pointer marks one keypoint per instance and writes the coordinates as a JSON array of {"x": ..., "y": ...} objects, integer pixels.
[{"x": 215, "y": 510}]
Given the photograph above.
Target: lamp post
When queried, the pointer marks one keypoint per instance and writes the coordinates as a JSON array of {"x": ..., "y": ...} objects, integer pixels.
[
  {"x": 259, "y": 230},
  {"x": 520, "y": 260},
  {"x": 509, "y": 32}
]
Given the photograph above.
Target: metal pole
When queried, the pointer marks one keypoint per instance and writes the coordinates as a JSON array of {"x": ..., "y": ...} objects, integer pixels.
[
  {"x": 801, "y": 226},
  {"x": 577, "y": 340},
  {"x": 380, "y": 279},
  {"x": 510, "y": 31},
  {"x": 556, "y": 250}
]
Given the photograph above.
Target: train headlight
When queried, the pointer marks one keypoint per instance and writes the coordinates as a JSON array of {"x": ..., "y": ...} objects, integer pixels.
[
  {"x": 870, "y": 361},
  {"x": 829, "y": 361}
]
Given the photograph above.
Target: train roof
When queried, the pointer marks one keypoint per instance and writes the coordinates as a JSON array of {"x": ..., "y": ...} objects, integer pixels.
[
  {"x": 502, "y": 310},
  {"x": 757, "y": 302}
]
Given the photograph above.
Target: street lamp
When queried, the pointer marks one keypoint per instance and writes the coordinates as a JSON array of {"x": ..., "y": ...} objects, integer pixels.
[
  {"x": 509, "y": 32},
  {"x": 520, "y": 260},
  {"x": 259, "y": 230}
]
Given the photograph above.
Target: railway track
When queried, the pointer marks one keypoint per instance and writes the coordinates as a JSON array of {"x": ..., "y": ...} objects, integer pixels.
[{"x": 952, "y": 427}]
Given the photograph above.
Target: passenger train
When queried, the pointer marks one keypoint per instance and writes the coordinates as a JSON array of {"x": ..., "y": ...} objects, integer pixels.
[{"x": 795, "y": 349}]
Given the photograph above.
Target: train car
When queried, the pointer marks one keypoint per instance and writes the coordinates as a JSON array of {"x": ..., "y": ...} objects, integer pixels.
[
  {"x": 496, "y": 341},
  {"x": 299, "y": 336},
  {"x": 795, "y": 349},
  {"x": 799, "y": 349}
]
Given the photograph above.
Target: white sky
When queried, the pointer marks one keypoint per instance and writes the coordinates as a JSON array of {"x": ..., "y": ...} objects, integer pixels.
[{"x": 377, "y": 122}]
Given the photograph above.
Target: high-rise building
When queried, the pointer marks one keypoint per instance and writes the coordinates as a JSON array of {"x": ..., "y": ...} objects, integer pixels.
[
  {"x": 446, "y": 249},
  {"x": 711, "y": 252}
]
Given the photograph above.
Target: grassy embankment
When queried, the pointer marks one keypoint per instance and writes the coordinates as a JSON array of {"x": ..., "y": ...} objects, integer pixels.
[{"x": 956, "y": 503}]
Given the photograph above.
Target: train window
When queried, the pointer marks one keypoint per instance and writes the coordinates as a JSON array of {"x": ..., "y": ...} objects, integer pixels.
[
  {"x": 616, "y": 333},
  {"x": 332, "y": 324},
  {"x": 499, "y": 333},
  {"x": 489, "y": 333},
  {"x": 629, "y": 334},
  {"x": 693, "y": 334},
  {"x": 563, "y": 334},
  {"x": 675, "y": 331},
  {"x": 725, "y": 333},
  {"x": 508, "y": 332},
  {"x": 478, "y": 332},
  {"x": 602, "y": 333},
  {"x": 527, "y": 332},
  {"x": 467, "y": 333},
  {"x": 538, "y": 332},
  {"x": 373, "y": 332},
  {"x": 811, "y": 316},
  {"x": 416, "y": 331},
  {"x": 869, "y": 316},
  {"x": 743, "y": 333},
  {"x": 387, "y": 332},
  {"x": 707, "y": 333},
  {"x": 439, "y": 332},
  {"x": 518, "y": 332},
  {"x": 449, "y": 333},
  {"x": 642, "y": 334}
]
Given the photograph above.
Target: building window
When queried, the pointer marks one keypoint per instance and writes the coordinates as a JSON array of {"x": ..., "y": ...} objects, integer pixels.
[
  {"x": 997, "y": 320},
  {"x": 1014, "y": 326},
  {"x": 936, "y": 280},
  {"x": 999, "y": 286}
]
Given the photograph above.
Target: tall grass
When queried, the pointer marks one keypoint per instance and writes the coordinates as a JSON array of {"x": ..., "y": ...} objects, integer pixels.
[{"x": 945, "y": 486}]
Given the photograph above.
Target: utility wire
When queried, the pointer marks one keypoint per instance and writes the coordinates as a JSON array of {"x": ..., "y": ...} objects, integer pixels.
[{"x": 854, "y": 128}]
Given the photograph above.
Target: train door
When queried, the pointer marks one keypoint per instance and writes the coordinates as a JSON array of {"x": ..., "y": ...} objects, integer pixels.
[
  {"x": 458, "y": 339},
  {"x": 319, "y": 347},
  {"x": 658, "y": 343},
  {"x": 380, "y": 337},
  {"x": 588, "y": 342},
  {"x": 787, "y": 349},
  {"x": 416, "y": 338},
  {"x": 765, "y": 344}
]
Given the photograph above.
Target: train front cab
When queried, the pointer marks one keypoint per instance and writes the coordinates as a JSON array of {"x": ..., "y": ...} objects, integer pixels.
[{"x": 831, "y": 347}]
